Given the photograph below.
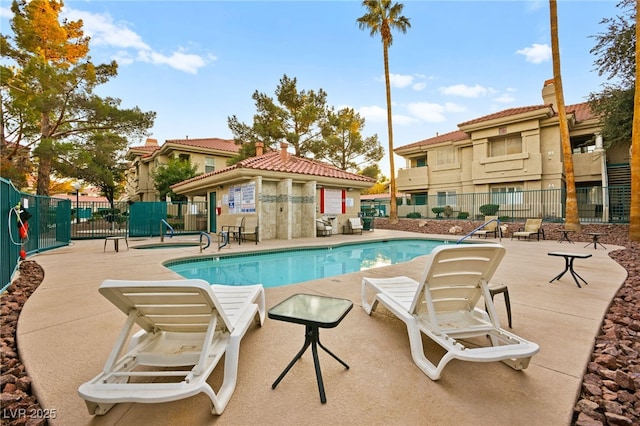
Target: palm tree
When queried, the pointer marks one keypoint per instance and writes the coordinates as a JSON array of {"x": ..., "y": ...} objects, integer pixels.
[
  {"x": 634, "y": 223},
  {"x": 572, "y": 220},
  {"x": 381, "y": 18}
]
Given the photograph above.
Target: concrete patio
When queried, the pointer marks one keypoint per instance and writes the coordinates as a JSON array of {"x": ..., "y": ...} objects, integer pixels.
[{"x": 67, "y": 329}]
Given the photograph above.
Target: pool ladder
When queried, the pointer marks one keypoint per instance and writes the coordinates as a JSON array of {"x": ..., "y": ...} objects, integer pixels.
[
  {"x": 169, "y": 228},
  {"x": 204, "y": 234}
]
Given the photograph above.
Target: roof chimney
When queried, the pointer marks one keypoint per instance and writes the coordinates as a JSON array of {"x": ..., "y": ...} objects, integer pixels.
[
  {"x": 284, "y": 155},
  {"x": 549, "y": 94},
  {"x": 151, "y": 142},
  {"x": 259, "y": 149}
]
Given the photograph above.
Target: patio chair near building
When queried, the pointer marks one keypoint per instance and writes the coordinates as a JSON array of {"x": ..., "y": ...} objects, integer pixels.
[
  {"x": 531, "y": 227},
  {"x": 250, "y": 229},
  {"x": 323, "y": 227},
  {"x": 354, "y": 224},
  {"x": 490, "y": 227}
]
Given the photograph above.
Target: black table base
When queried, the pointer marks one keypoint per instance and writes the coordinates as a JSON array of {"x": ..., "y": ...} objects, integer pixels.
[
  {"x": 568, "y": 266},
  {"x": 312, "y": 338}
]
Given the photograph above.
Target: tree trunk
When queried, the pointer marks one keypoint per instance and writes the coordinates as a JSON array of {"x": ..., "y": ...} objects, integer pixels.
[
  {"x": 393, "y": 207},
  {"x": 634, "y": 220},
  {"x": 572, "y": 219},
  {"x": 44, "y": 152}
]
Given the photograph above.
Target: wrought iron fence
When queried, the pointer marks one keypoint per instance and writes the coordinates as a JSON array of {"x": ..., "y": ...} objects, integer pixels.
[
  {"x": 595, "y": 205},
  {"x": 48, "y": 226},
  {"x": 99, "y": 219}
]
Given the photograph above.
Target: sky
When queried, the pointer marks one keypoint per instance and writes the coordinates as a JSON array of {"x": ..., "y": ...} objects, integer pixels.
[{"x": 196, "y": 63}]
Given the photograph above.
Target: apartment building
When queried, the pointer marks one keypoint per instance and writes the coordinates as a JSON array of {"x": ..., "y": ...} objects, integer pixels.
[
  {"x": 207, "y": 155},
  {"x": 511, "y": 157}
]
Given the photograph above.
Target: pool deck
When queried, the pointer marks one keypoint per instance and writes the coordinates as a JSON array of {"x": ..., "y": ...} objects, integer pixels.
[{"x": 66, "y": 330}]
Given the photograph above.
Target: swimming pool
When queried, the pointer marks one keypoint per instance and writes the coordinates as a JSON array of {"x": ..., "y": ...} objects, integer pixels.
[{"x": 284, "y": 267}]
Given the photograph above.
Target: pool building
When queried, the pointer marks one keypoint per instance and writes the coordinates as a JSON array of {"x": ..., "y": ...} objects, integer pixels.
[{"x": 281, "y": 193}]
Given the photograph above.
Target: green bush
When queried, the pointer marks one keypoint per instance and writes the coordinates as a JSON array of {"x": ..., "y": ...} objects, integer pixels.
[
  {"x": 414, "y": 215},
  {"x": 463, "y": 215},
  {"x": 437, "y": 210},
  {"x": 489, "y": 209}
]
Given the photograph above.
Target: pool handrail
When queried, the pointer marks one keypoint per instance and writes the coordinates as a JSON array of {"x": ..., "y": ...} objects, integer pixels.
[
  {"x": 169, "y": 227},
  {"x": 480, "y": 227},
  {"x": 224, "y": 236},
  {"x": 204, "y": 234}
]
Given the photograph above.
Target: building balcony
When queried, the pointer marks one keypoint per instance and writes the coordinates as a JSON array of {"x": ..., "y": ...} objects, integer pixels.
[
  {"x": 413, "y": 179},
  {"x": 587, "y": 166}
]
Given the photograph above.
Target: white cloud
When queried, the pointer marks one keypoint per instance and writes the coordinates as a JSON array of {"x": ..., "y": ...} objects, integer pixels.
[
  {"x": 453, "y": 107},
  {"x": 373, "y": 113},
  {"x": 465, "y": 91},
  {"x": 105, "y": 32},
  {"x": 376, "y": 114},
  {"x": 505, "y": 98},
  {"x": 178, "y": 60},
  {"x": 402, "y": 81},
  {"x": 402, "y": 120},
  {"x": 536, "y": 54},
  {"x": 432, "y": 113}
]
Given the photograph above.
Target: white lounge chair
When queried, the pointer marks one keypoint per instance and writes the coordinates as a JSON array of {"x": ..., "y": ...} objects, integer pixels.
[
  {"x": 354, "y": 225},
  {"x": 184, "y": 323},
  {"x": 442, "y": 305}
]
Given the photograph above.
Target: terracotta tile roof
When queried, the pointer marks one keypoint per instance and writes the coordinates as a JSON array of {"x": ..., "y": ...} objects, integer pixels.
[
  {"x": 209, "y": 143},
  {"x": 581, "y": 111},
  {"x": 504, "y": 113},
  {"x": 142, "y": 150},
  {"x": 455, "y": 136},
  {"x": 273, "y": 162}
]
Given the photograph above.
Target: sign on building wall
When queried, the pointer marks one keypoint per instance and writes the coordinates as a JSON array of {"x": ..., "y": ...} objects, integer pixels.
[
  {"x": 242, "y": 198},
  {"x": 332, "y": 201}
]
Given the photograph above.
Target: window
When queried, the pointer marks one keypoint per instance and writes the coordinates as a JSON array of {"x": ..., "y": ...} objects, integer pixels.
[
  {"x": 505, "y": 145},
  {"x": 421, "y": 162},
  {"x": 184, "y": 157},
  {"x": 446, "y": 198},
  {"x": 445, "y": 156},
  {"x": 507, "y": 195},
  {"x": 583, "y": 145},
  {"x": 209, "y": 164},
  {"x": 419, "y": 199}
]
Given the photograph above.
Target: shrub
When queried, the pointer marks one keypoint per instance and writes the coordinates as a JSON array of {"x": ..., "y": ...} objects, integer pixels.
[
  {"x": 414, "y": 215},
  {"x": 463, "y": 215},
  {"x": 489, "y": 209},
  {"x": 437, "y": 210}
]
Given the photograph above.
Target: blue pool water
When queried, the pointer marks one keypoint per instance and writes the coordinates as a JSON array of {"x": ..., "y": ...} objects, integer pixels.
[{"x": 274, "y": 269}]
